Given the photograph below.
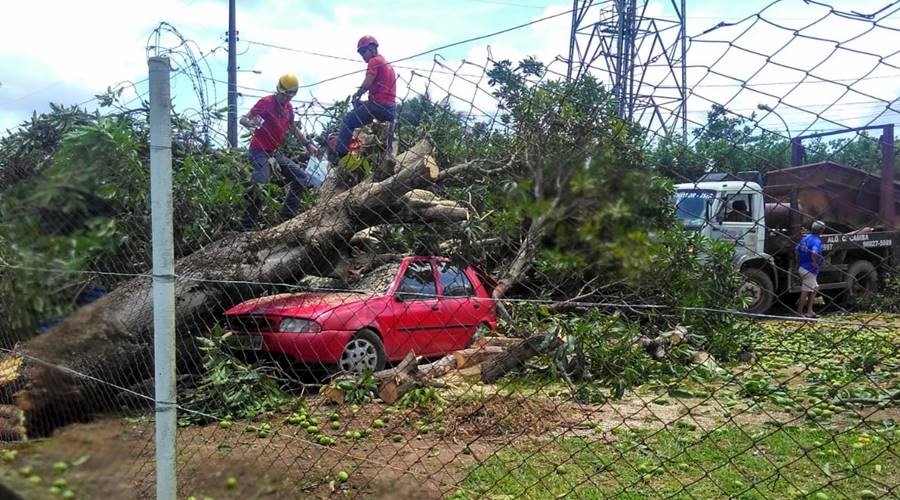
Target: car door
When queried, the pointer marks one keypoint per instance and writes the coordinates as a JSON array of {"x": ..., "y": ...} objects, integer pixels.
[
  {"x": 459, "y": 307},
  {"x": 416, "y": 309}
]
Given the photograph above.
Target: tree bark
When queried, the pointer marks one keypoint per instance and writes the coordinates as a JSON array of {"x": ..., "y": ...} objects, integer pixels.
[
  {"x": 495, "y": 368},
  {"x": 71, "y": 371}
]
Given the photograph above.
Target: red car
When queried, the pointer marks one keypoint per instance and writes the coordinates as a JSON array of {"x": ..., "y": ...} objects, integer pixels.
[{"x": 426, "y": 305}]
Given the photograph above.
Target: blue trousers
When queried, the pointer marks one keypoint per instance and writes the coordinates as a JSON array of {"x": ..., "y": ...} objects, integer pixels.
[
  {"x": 297, "y": 178},
  {"x": 362, "y": 114}
]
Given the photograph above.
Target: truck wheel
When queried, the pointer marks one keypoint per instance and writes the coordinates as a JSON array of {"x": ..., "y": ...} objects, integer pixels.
[
  {"x": 758, "y": 286},
  {"x": 862, "y": 281}
]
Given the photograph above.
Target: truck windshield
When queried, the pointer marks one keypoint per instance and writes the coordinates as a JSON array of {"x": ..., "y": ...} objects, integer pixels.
[{"x": 691, "y": 206}]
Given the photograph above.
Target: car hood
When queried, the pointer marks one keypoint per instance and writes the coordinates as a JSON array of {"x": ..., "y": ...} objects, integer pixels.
[{"x": 307, "y": 305}]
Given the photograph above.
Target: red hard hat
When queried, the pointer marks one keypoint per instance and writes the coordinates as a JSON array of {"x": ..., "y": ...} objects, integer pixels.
[{"x": 366, "y": 41}]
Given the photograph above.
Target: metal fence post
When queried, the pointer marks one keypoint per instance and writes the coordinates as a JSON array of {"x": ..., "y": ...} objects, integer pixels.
[{"x": 163, "y": 276}]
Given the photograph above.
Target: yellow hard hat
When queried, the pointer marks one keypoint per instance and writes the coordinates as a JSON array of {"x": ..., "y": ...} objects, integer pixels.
[{"x": 288, "y": 82}]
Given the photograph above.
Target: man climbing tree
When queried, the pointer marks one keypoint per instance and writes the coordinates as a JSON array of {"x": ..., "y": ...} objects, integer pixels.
[
  {"x": 381, "y": 84},
  {"x": 270, "y": 118}
]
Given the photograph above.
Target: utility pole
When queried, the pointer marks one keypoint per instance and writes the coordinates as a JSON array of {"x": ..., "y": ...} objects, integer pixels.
[{"x": 232, "y": 76}]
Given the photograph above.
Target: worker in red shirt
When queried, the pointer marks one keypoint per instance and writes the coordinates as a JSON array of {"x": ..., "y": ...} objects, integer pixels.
[
  {"x": 381, "y": 84},
  {"x": 270, "y": 119}
]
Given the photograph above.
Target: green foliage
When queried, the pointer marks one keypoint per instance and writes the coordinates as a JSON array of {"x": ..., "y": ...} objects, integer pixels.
[
  {"x": 888, "y": 297},
  {"x": 697, "y": 278},
  {"x": 82, "y": 204},
  {"x": 25, "y": 152},
  {"x": 423, "y": 398},
  {"x": 420, "y": 116},
  {"x": 575, "y": 190},
  {"x": 733, "y": 143},
  {"x": 607, "y": 343},
  {"x": 229, "y": 387},
  {"x": 356, "y": 390}
]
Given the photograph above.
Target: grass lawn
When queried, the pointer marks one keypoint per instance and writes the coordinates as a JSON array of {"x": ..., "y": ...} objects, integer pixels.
[{"x": 732, "y": 462}]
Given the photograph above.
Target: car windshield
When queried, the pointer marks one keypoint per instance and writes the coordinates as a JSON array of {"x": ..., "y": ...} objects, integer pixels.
[
  {"x": 691, "y": 206},
  {"x": 376, "y": 281}
]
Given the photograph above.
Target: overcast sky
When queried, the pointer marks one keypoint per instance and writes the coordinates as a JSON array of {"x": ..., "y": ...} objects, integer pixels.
[{"x": 65, "y": 52}]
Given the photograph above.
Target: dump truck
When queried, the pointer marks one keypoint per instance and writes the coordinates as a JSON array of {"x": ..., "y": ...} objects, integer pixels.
[{"x": 765, "y": 217}]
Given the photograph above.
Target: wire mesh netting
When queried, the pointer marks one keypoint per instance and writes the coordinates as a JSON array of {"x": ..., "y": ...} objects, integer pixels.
[{"x": 505, "y": 288}]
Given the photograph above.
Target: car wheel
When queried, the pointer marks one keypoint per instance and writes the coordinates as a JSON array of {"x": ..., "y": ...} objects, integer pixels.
[
  {"x": 481, "y": 331},
  {"x": 363, "y": 351}
]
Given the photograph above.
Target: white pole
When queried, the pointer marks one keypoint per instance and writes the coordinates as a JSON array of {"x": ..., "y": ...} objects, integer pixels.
[{"x": 163, "y": 275}]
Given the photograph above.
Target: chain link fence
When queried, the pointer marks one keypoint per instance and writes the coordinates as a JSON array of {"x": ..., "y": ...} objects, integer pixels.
[{"x": 523, "y": 296}]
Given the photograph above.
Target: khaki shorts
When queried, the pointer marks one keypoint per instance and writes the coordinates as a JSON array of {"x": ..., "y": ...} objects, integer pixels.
[{"x": 809, "y": 283}]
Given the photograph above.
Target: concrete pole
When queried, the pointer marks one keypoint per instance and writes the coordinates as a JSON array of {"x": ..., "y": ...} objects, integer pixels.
[
  {"x": 232, "y": 76},
  {"x": 163, "y": 276}
]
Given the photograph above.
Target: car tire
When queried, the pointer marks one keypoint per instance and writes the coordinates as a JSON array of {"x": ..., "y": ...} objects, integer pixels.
[
  {"x": 364, "y": 351},
  {"x": 757, "y": 282}
]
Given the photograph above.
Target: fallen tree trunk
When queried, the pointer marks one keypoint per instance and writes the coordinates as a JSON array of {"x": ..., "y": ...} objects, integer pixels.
[
  {"x": 495, "y": 368},
  {"x": 75, "y": 368}
]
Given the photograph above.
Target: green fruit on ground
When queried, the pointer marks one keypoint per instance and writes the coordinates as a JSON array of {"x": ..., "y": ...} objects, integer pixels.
[
  {"x": 335, "y": 425},
  {"x": 225, "y": 424},
  {"x": 68, "y": 494},
  {"x": 378, "y": 423},
  {"x": 60, "y": 482},
  {"x": 231, "y": 483},
  {"x": 26, "y": 471},
  {"x": 342, "y": 476}
]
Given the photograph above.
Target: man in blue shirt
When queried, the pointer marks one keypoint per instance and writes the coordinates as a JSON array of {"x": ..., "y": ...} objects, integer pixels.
[{"x": 809, "y": 256}]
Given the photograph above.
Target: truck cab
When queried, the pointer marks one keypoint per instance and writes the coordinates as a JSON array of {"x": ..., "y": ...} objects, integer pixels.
[
  {"x": 722, "y": 207},
  {"x": 725, "y": 210}
]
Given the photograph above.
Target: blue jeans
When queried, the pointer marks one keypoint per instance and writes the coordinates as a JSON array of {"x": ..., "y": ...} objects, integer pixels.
[
  {"x": 297, "y": 178},
  {"x": 360, "y": 115}
]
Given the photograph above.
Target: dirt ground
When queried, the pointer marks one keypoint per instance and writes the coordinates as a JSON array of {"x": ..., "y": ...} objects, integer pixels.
[{"x": 416, "y": 454}]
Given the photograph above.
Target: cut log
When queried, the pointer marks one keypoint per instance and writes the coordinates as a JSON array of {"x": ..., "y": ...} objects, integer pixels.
[
  {"x": 505, "y": 342},
  {"x": 110, "y": 341},
  {"x": 438, "y": 368},
  {"x": 397, "y": 381},
  {"x": 495, "y": 368},
  {"x": 474, "y": 356}
]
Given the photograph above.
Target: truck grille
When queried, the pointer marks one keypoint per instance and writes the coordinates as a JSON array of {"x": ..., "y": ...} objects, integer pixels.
[{"x": 249, "y": 323}]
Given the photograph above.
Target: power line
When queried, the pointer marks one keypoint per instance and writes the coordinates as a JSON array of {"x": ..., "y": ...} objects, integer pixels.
[
  {"x": 449, "y": 45},
  {"x": 349, "y": 59}
]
